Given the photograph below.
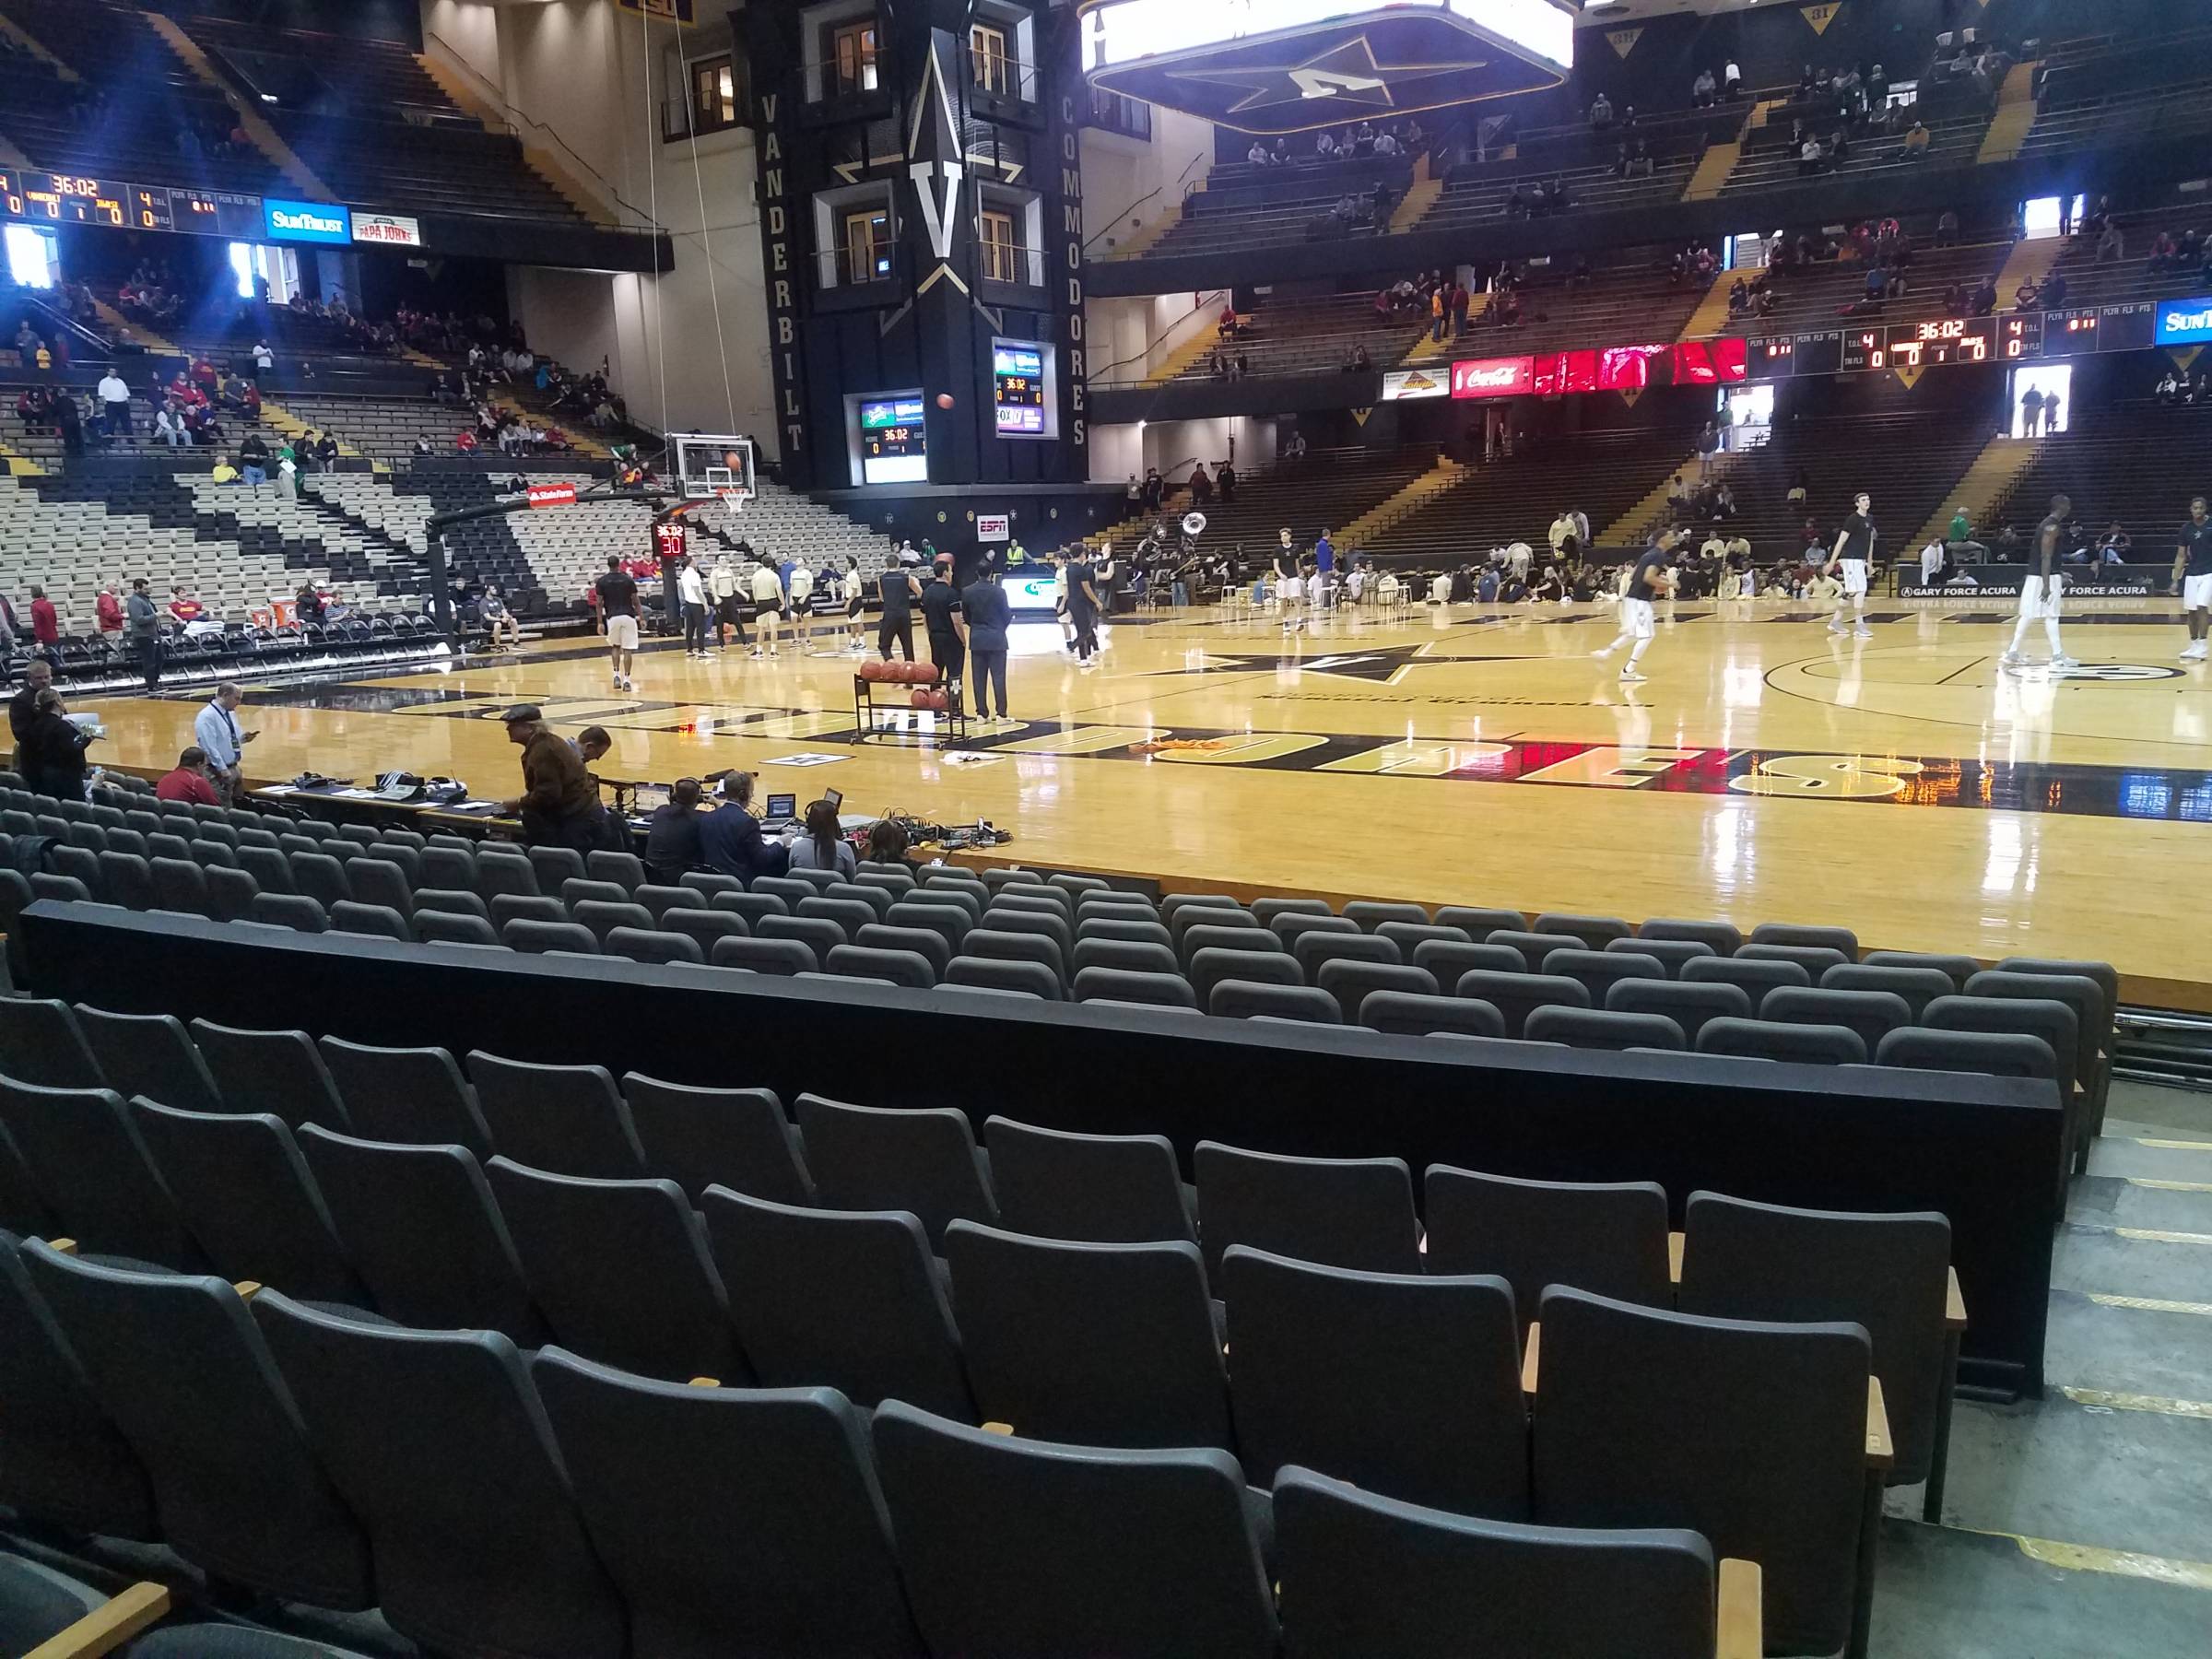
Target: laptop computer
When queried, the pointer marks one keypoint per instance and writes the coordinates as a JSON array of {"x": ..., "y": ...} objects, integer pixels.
[{"x": 782, "y": 811}]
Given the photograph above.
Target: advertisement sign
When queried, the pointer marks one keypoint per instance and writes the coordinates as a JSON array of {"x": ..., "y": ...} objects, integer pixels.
[
  {"x": 2184, "y": 322},
  {"x": 994, "y": 527},
  {"x": 304, "y": 221},
  {"x": 388, "y": 229},
  {"x": 1493, "y": 377},
  {"x": 1403, "y": 384},
  {"x": 551, "y": 495}
]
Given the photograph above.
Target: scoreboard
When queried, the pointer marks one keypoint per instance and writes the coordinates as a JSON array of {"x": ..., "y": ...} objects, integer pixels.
[
  {"x": 77, "y": 199},
  {"x": 2007, "y": 337},
  {"x": 1018, "y": 389},
  {"x": 894, "y": 447}
]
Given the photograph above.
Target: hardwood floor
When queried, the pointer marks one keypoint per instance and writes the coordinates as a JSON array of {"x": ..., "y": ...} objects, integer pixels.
[{"x": 1468, "y": 756}]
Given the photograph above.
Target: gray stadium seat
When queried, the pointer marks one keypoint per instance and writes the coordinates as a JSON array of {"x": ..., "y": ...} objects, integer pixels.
[
  {"x": 783, "y": 958},
  {"x": 295, "y": 910},
  {"x": 1994, "y": 1054},
  {"x": 652, "y": 945},
  {"x": 624, "y": 868},
  {"x": 1594, "y": 931},
  {"x": 1872, "y": 1013},
  {"x": 603, "y": 917},
  {"x": 526, "y": 907},
  {"x": 1132, "y": 985},
  {"x": 1755, "y": 978},
  {"x": 380, "y": 881},
  {"x": 376, "y": 921},
  {"x": 1822, "y": 938},
  {"x": 567, "y": 1119},
  {"x": 451, "y": 927},
  {"x": 1772, "y": 1039},
  {"x": 1599, "y": 970},
  {"x": 1372, "y": 914},
  {"x": 704, "y": 927},
  {"x": 93, "y": 1175},
  {"x": 1293, "y": 925},
  {"x": 1448, "y": 961},
  {"x": 1689, "y": 1006},
  {"x": 1417, "y": 1016},
  {"x": 557, "y": 866},
  {"x": 738, "y": 1138},
  {"x": 1815, "y": 959},
  {"x": 42, "y": 1043},
  {"x": 1106, "y": 1189},
  {"x": 986, "y": 973},
  {"x": 1597, "y": 1029},
  {"x": 1211, "y": 967},
  {"x": 231, "y": 894},
  {"x": 1257, "y": 999},
  {"x": 1609, "y": 1239},
  {"x": 1132, "y": 932},
  {"x": 1533, "y": 946},
  {"x": 1917, "y": 986},
  {"x": 818, "y": 935},
  {"x": 411, "y": 1095},
  {"x": 1517, "y": 995},
  {"x": 1352, "y": 983},
  {"x": 1267, "y": 910},
  {"x": 1725, "y": 939},
  {"x": 1312, "y": 949},
  {"x": 1341, "y": 1212},
  {"x": 865, "y": 1157},
  {"x": 276, "y": 1072},
  {"x": 537, "y": 938},
  {"x": 180, "y": 885},
  {"x": 128, "y": 880},
  {"x": 1409, "y": 936}
]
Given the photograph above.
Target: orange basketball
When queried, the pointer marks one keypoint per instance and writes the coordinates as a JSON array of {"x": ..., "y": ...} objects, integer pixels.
[
  {"x": 939, "y": 700},
  {"x": 917, "y": 699},
  {"x": 943, "y": 400},
  {"x": 872, "y": 670},
  {"x": 927, "y": 673}
]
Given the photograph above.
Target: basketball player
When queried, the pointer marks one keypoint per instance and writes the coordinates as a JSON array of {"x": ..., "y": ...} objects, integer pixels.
[
  {"x": 1289, "y": 586},
  {"x": 799, "y": 589},
  {"x": 856, "y": 601},
  {"x": 1853, "y": 555},
  {"x": 1653, "y": 578},
  {"x": 618, "y": 605},
  {"x": 768, "y": 605},
  {"x": 2042, "y": 588},
  {"x": 2193, "y": 579}
]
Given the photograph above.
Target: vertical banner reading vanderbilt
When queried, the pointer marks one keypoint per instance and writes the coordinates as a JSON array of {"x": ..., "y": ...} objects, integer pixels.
[{"x": 771, "y": 36}]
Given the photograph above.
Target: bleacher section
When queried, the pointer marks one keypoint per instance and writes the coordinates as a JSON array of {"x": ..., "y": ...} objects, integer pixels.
[
  {"x": 1632, "y": 303},
  {"x": 1907, "y": 462},
  {"x": 1956, "y": 117},
  {"x": 137, "y": 114},
  {"x": 2136, "y": 463},
  {"x": 1828, "y": 293},
  {"x": 1243, "y": 206},
  {"x": 1327, "y": 491},
  {"x": 1585, "y": 162},
  {"x": 2151, "y": 89},
  {"x": 1311, "y": 335}
]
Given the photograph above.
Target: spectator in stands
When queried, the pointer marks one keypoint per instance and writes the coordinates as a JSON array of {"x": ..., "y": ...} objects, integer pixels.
[
  {"x": 1640, "y": 163},
  {"x": 1739, "y": 298},
  {"x": 559, "y": 805},
  {"x": 51, "y": 752},
  {"x": 1259, "y": 154},
  {"x": 1917, "y": 141},
  {"x": 254, "y": 460},
  {"x": 1386, "y": 143},
  {"x": 1225, "y": 480},
  {"x": 672, "y": 834},
  {"x": 70, "y": 420},
  {"x": 1732, "y": 80},
  {"x": 2007, "y": 549},
  {"x": 1202, "y": 486},
  {"x": 1324, "y": 147},
  {"x": 1983, "y": 300},
  {"x": 187, "y": 781},
  {"x": 1810, "y": 156},
  {"x": 2168, "y": 390},
  {"x": 1601, "y": 112},
  {"x": 1704, "y": 90},
  {"x": 1801, "y": 486},
  {"x": 2112, "y": 244},
  {"x": 115, "y": 404},
  {"x": 45, "y": 626}
]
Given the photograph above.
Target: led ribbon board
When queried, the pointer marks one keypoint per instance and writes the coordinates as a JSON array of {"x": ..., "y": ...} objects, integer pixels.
[{"x": 1293, "y": 65}]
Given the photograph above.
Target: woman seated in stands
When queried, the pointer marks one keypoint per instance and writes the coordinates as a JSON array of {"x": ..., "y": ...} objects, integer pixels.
[
  {"x": 886, "y": 844},
  {"x": 1547, "y": 588},
  {"x": 1739, "y": 298}
]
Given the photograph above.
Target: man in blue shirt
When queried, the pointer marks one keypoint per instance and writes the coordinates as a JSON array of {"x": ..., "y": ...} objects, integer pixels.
[
  {"x": 1325, "y": 570},
  {"x": 730, "y": 838}
]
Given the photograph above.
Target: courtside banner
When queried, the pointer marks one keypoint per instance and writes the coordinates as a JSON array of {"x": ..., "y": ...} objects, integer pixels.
[
  {"x": 551, "y": 495},
  {"x": 1403, "y": 384},
  {"x": 1494, "y": 377}
]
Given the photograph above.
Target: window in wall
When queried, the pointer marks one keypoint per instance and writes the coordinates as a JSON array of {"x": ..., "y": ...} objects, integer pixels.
[
  {"x": 713, "y": 95},
  {"x": 988, "y": 55},
  {"x": 33, "y": 256},
  {"x": 867, "y": 245},
  {"x": 994, "y": 242},
  {"x": 853, "y": 53}
]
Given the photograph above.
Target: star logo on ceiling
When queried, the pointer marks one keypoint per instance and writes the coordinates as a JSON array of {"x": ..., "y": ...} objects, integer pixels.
[{"x": 1346, "y": 73}]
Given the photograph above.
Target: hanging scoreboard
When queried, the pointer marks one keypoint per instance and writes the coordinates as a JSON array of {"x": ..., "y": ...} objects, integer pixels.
[
  {"x": 2006, "y": 337},
  {"x": 894, "y": 447},
  {"x": 78, "y": 199},
  {"x": 1018, "y": 389}
]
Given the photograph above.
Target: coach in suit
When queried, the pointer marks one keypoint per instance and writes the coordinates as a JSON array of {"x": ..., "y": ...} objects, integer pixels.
[{"x": 982, "y": 620}]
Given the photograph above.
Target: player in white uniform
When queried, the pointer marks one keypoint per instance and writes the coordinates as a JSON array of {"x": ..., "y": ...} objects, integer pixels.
[
  {"x": 2043, "y": 587},
  {"x": 801, "y": 596},
  {"x": 2193, "y": 579},
  {"x": 1652, "y": 577},
  {"x": 767, "y": 602},
  {"x": 1852, "y": 558}
]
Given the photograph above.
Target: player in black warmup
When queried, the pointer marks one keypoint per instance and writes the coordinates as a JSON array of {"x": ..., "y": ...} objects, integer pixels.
[
  {"x": 1854, "y": 555},
  {"x": 2193, "y": 579},
  {"x": 2043, "y": 587}
]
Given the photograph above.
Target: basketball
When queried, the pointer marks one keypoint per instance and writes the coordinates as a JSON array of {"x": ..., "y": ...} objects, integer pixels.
[
  {"x": 943, "y": 400},
  {"x": 872, "y": 670},
  {"x": 939, "y": 700},
  {"x": 917, "y": 699}
]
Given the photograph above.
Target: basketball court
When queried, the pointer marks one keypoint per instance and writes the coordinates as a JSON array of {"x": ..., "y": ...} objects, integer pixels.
[{"x": 1767, "y": 770}]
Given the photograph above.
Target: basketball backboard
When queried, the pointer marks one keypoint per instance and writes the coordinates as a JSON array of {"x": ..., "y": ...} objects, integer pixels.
[{"x": 714, "y": 464}]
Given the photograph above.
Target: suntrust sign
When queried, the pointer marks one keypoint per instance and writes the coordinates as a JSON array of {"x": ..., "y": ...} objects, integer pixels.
[
  {"x": 1494, "y": 377},
  {"x": 2184, "y": 322},
  {"x": 305, "y": 221}
]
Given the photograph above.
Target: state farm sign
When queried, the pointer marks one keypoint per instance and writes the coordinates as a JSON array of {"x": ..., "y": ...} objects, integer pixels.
[{"x": 1494, "y": 377}]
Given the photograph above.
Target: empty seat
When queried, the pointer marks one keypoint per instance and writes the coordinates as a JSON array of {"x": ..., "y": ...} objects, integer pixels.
[
  {"x": 1341, "y": 1212},
  {"x": 447, "y": 867},
  {"x": 92, "y": 1174},
  {"x": 849, "y": 914},
  {"x": 411, "y": 1095},
  {"x": 1020, "y": 1547},
  {"x": 1318, "y": 1349},
  {"x": 1818, "y": 938},
  {"x": 128, "y": 880},
  {"x": 1255, "y": 999},
  {"x": 557, "y": 866},
  {"x": 277, "y": 1071},
  {"x": 1267, "y": 910},
  {"x": 1312, "y": 949},
  {"x": 1102, "y": 1188},
  {"x": 1608, "y": 1237},
  {"x": 1364, "y": 1575},
  {"x": 1752, "y": 1435},
  {"x": 783, "y": 958},
  {"x": 377, "y": 920},
  {"x": 1533, "y": 946},
  {"x": 1270, "y": 965},
  {"x": 419, "y": 1225},
  {"x": 988, "y": 941},
  {"x": 537, "y": 938},
  {"x": 1413, "y": 1015},
  {"x": 1773, "y": 1040},
  {"x": 477, "y": 1541},
  {"x": 866, "y": 1157},
  {"x": 1181, "y": 920},
  {"x": 1517, "y": 995},
  {"x": 1725, "y": 939},
  {"x": 180, "y": 885},
  {"x": 231, "y": 895},
  {"x": 1815, "y": 959},
  {"x": 907, "y": 968},
  {"x": 1755, "y": 978},
  {"x": 181, "y": 1370},
  {"x": 623, "y": 868},
  {"x": 733, "y": 1137},
  {"x": 1110, "y": 1345},
  {"x": 1994, "y": 1053},
  {"x": 1596, "y": 1028},
  {"x": 1689, "y": 1006},
  {"x": 817, "y": 935},
  {"x": 706, "y": 928},
  {"x": 380, "y": 881},
  {"x": 1669, "y": 954},
  {"x": 1132, "y": 932},
  {"x": 984, "y": 974},
  {"x": 451, "y": 927},
  {"x": 603, "y": 917},
  {"x": 798, "y": 1558},
  {"x": 1447, "y": 961},
  {"x": 504, "y": 875},
  {"x": 1594, "y": 931},
  {"x": 620, "y": 1269},
  {"x": 926, "y": 943},
  {"x": 320, "y": 877},
  {"x": 1872, "y": 1013},
  {"x": 526, "y": 907},
  {"x": 652, "y": 946},
  {"x": 566, "y": 1119},
  {"x": 847, "y": 1300},
  {"x": 1598, "y": 969},
  {"x": 1130, "y": 985},
  {"x": 42, "y": 1043},
  {"x": 1409, "y": 936},
  {"x": 1889, "y": 1272},
  {"x": 946, "y": 923},
  {"x": 1352, "y": 983},
  {"x": 244, "y": 1193}
]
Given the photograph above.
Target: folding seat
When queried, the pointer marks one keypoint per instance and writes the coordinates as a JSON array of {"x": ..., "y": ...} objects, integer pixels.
[
  {"x": 1355, "y": 1212},
  {"x": 419, "y": 1227},
  {"x": 1533, "y": 946},
  {"x": 928, "y": 907},
  {"x": 1759, "y": 1437},
  {"x": 1598, "y": 969},
  {"x": 1267, "y": 910},
  {"x": 1596, "y": 1028},
  {"x": 557, "y": 866},
  {"x": 1815, "y": 959},
  {"x": 360, "y": 835},
  {"x": 799, "y": 1556},
  {"x": 1447, "y": 960},
  {"x": 81, "y": 865},
  {"x": 926, "y": 943},
  {"x": 1118, "y": 931},
  {"x": 735, "y": 1138},
  {"x": 896, "y": 883},
  {"x": 451, "y": 927},
  {"x": 295, "y": 910},
  {"x": 1409, "y": 936},
  {"x": 1371, "y": 914},
  {"x": 1917, "y": 986},
  {"x": 1124, "y": 955},
  {"x": 906, "y": 968},
  {"x": 1362, "y": 1573},
  {"x": 1689, "y": 1006},
  {"x": 1294, "y": 925},
  {"x": 478, "y": 1544},
  {"x": 267, "y": 866},
  {"x": 92, "y": 1175},
  {"x": 1889, "y": 1272},
  {"x": 1351, "y": 981},
  {"x": 244, "y": 1193},
  {"x": 1773, "y": 1040},
  {"x": 320, "y": 877},
  {"x": 181, "y": 1371},
  {"x": 1131, "y": 986},
  {"x": 1820, "y": 939},
  {"x": 1872, "y": 1013},
  {"x": 1316, "y": 1349},
  {"x": 42, "y": 1043},
  {"x": 291, "y": 845},
  {"x": 231, "y": 894},
  {"x": 603, "y": 917},
  {"x": 2092, "y": 1017},
  {"x": 376, "y": 921},
  {"x": 520, "y": 907},
  {"x": 819, "y": 934},
  {"x": 1172, "y": 903},
  {"x": 377, "y": 881},
  {"x": 131, "y": 840},
  {"x": 1042, "y": 894},
  {"x": 539, "y": 937},
  {"x": 504, "y": 875},
  {"x": 650, "y": 945},
  {"x": 850, "y": 915},
  {"x": 276, "y": 1072},
  {"x": 406, "y": 859},
  {"x": 150, "y": 1054},
  {"x": 926, "y": 1161},
  {"x": 565, "y": 1119},
  {"x": 790, "y": 889},
  {"x": 451, "y": 868},
  {"x": 458, "y": 902},
  {"x": 1992, "y": 1053},
  {"x": 180, "y": 885},
  {"x": 412, "y": 1095},
  {"x": 624, "y": 868},
  {"x": 1078, "y": 886},
  {"x": 660, "y": 900},
  {"x": 82, "y": 832},
  {"x": 1097, "y": 1188},
  {"x": 1261, "y": 999},
  {"x": 128, "y": 880},
  {"x": 1021, "y": 979},
  {"x": 752, "y": 908},
  {"x": 620, "y": 1269},
  {"x": 1103, "y": 1344},
  {"x": 1011, "y": 1546},
  {"x": 1725, "y": 939},
  {"x": 784, "y": 957},
  {"x": 1312, "y": 950},
  {"x": 1055, "y": 929},
  {"x": 1017, "y": 947},
  {"x": 1610, "y": 1238},
  {"x": 1517, "y": 995},
  {"x": 1754, "y": 976},
  {"x": 848, "y": 1300},
  {"x": 1180, "y": 919},
  {"x": 66, "y": 1463}
]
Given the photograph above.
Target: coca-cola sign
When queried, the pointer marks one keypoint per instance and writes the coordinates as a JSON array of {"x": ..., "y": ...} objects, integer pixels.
[{"x": 1493, "y": 377}]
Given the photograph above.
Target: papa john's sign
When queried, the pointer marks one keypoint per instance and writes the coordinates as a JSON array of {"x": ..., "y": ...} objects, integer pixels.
[{"x": 1494, "y": 377}]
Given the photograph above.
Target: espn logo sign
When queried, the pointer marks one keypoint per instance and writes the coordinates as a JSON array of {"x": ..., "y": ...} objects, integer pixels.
[
  {"x": 993, "y": 528},
  {"x": 1494, "y": 377}
]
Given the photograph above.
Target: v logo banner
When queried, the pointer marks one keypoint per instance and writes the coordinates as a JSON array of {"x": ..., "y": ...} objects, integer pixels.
[{"x": 938, "y": 216}]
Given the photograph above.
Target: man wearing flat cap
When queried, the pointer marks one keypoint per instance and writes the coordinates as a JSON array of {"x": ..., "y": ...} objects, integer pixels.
[{"x": 558, "y": 804}]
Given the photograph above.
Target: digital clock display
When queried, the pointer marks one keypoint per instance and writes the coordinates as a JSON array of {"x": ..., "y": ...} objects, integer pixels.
[
  {"x": 1944, "y": 340},
  {"x": 78, "y": 199}
]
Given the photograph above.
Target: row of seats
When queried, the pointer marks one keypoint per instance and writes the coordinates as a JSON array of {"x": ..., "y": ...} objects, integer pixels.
[{"x": 489, "y": 1500}]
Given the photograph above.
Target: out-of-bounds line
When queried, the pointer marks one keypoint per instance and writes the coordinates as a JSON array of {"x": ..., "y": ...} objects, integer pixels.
[
  {"x": 2158, "y": 1404},
  {"x": 2169, "y": 1186},
  {"x": 2175, "y": 1146},
  {"x": 2149, "y": 1304},
  {"x": 2123, "y": 1563}
]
